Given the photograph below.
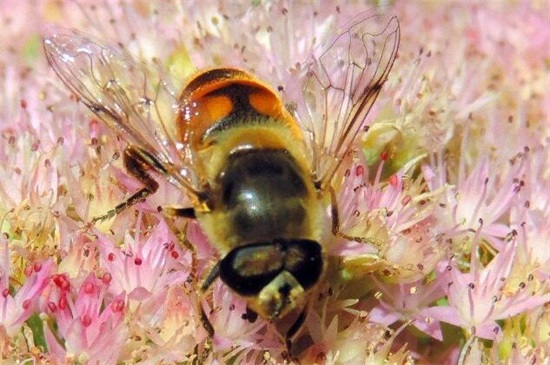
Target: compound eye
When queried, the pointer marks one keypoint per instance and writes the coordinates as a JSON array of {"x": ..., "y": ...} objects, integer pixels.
[
  {"x": 248, "y": 269},
  {"x": 304, "y": 261}
]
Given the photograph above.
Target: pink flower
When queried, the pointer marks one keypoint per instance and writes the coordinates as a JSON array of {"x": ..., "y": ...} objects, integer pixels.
[
  {"x": 531, "y": 216},
  {"x": 394, "y": 219},
  {"x": 92, "y": 329},
  {"x": 236, "y": 337},
  {"x": 484, "y": 295},
  {"x": 166, "y": 327},
  {"x": 483, "y": 196},
  {"x": 446, "y": 204},
  {"x": 146, "y": 264},
  {"x": 18, "y": 303},
  {"x": 360, "y": 342},
  {"x": 152, "y": 273},
  {"x": 408, "y": 303}
]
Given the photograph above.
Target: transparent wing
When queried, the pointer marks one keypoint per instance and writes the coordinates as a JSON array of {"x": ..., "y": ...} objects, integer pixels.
[
  {"x": 340, "y": 83},
  {"x": 130, "y": 96}
]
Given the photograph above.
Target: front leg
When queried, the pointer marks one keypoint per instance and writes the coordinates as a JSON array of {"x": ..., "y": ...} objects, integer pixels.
[
  {"x": 292, "y": 332},
  {"x": 212, "y": 276}
]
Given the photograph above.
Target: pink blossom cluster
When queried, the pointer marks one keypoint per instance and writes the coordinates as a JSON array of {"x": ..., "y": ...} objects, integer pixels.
[{"x": 447, "y": 194}]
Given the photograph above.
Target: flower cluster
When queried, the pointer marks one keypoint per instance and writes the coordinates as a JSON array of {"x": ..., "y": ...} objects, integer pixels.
[{"x": 444, "y": 204}]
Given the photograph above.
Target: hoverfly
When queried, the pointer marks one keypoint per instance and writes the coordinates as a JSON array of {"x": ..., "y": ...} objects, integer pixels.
[{"x": 258, "y": 174}]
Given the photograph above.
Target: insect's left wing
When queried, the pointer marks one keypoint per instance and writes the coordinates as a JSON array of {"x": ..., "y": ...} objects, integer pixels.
[
  {"x": 340, "y": 82},
  {"x": 129, "y": 95}
]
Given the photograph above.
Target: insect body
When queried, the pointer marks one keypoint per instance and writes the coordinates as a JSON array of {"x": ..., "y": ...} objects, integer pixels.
[
  {"x": 256, "y": 183},
  {"x": 258, "y": 176}
]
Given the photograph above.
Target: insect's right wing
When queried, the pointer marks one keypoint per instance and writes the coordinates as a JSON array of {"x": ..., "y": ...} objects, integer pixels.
[
  {"x": 130, "y": 96},
  {"x": 339, "y": 83}
]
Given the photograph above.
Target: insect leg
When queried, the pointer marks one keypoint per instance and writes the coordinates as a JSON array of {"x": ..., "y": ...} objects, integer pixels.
[
  {"x": 250, "y": 315},
  {"x": 137, "y": 163},
  {"x": 336, "y": 220},
  {"x": 206, "y": 322},
  {"x": 334, "y": 212},
  {"x": 295, "y": 328},
  {"x": 213, "y": 275},
  {"x": 180, "y": 212},
  {"x": 203, "y": 317}
]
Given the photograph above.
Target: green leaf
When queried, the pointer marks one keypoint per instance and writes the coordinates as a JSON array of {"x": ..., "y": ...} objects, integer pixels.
[{"x": 37, "y": 327}]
